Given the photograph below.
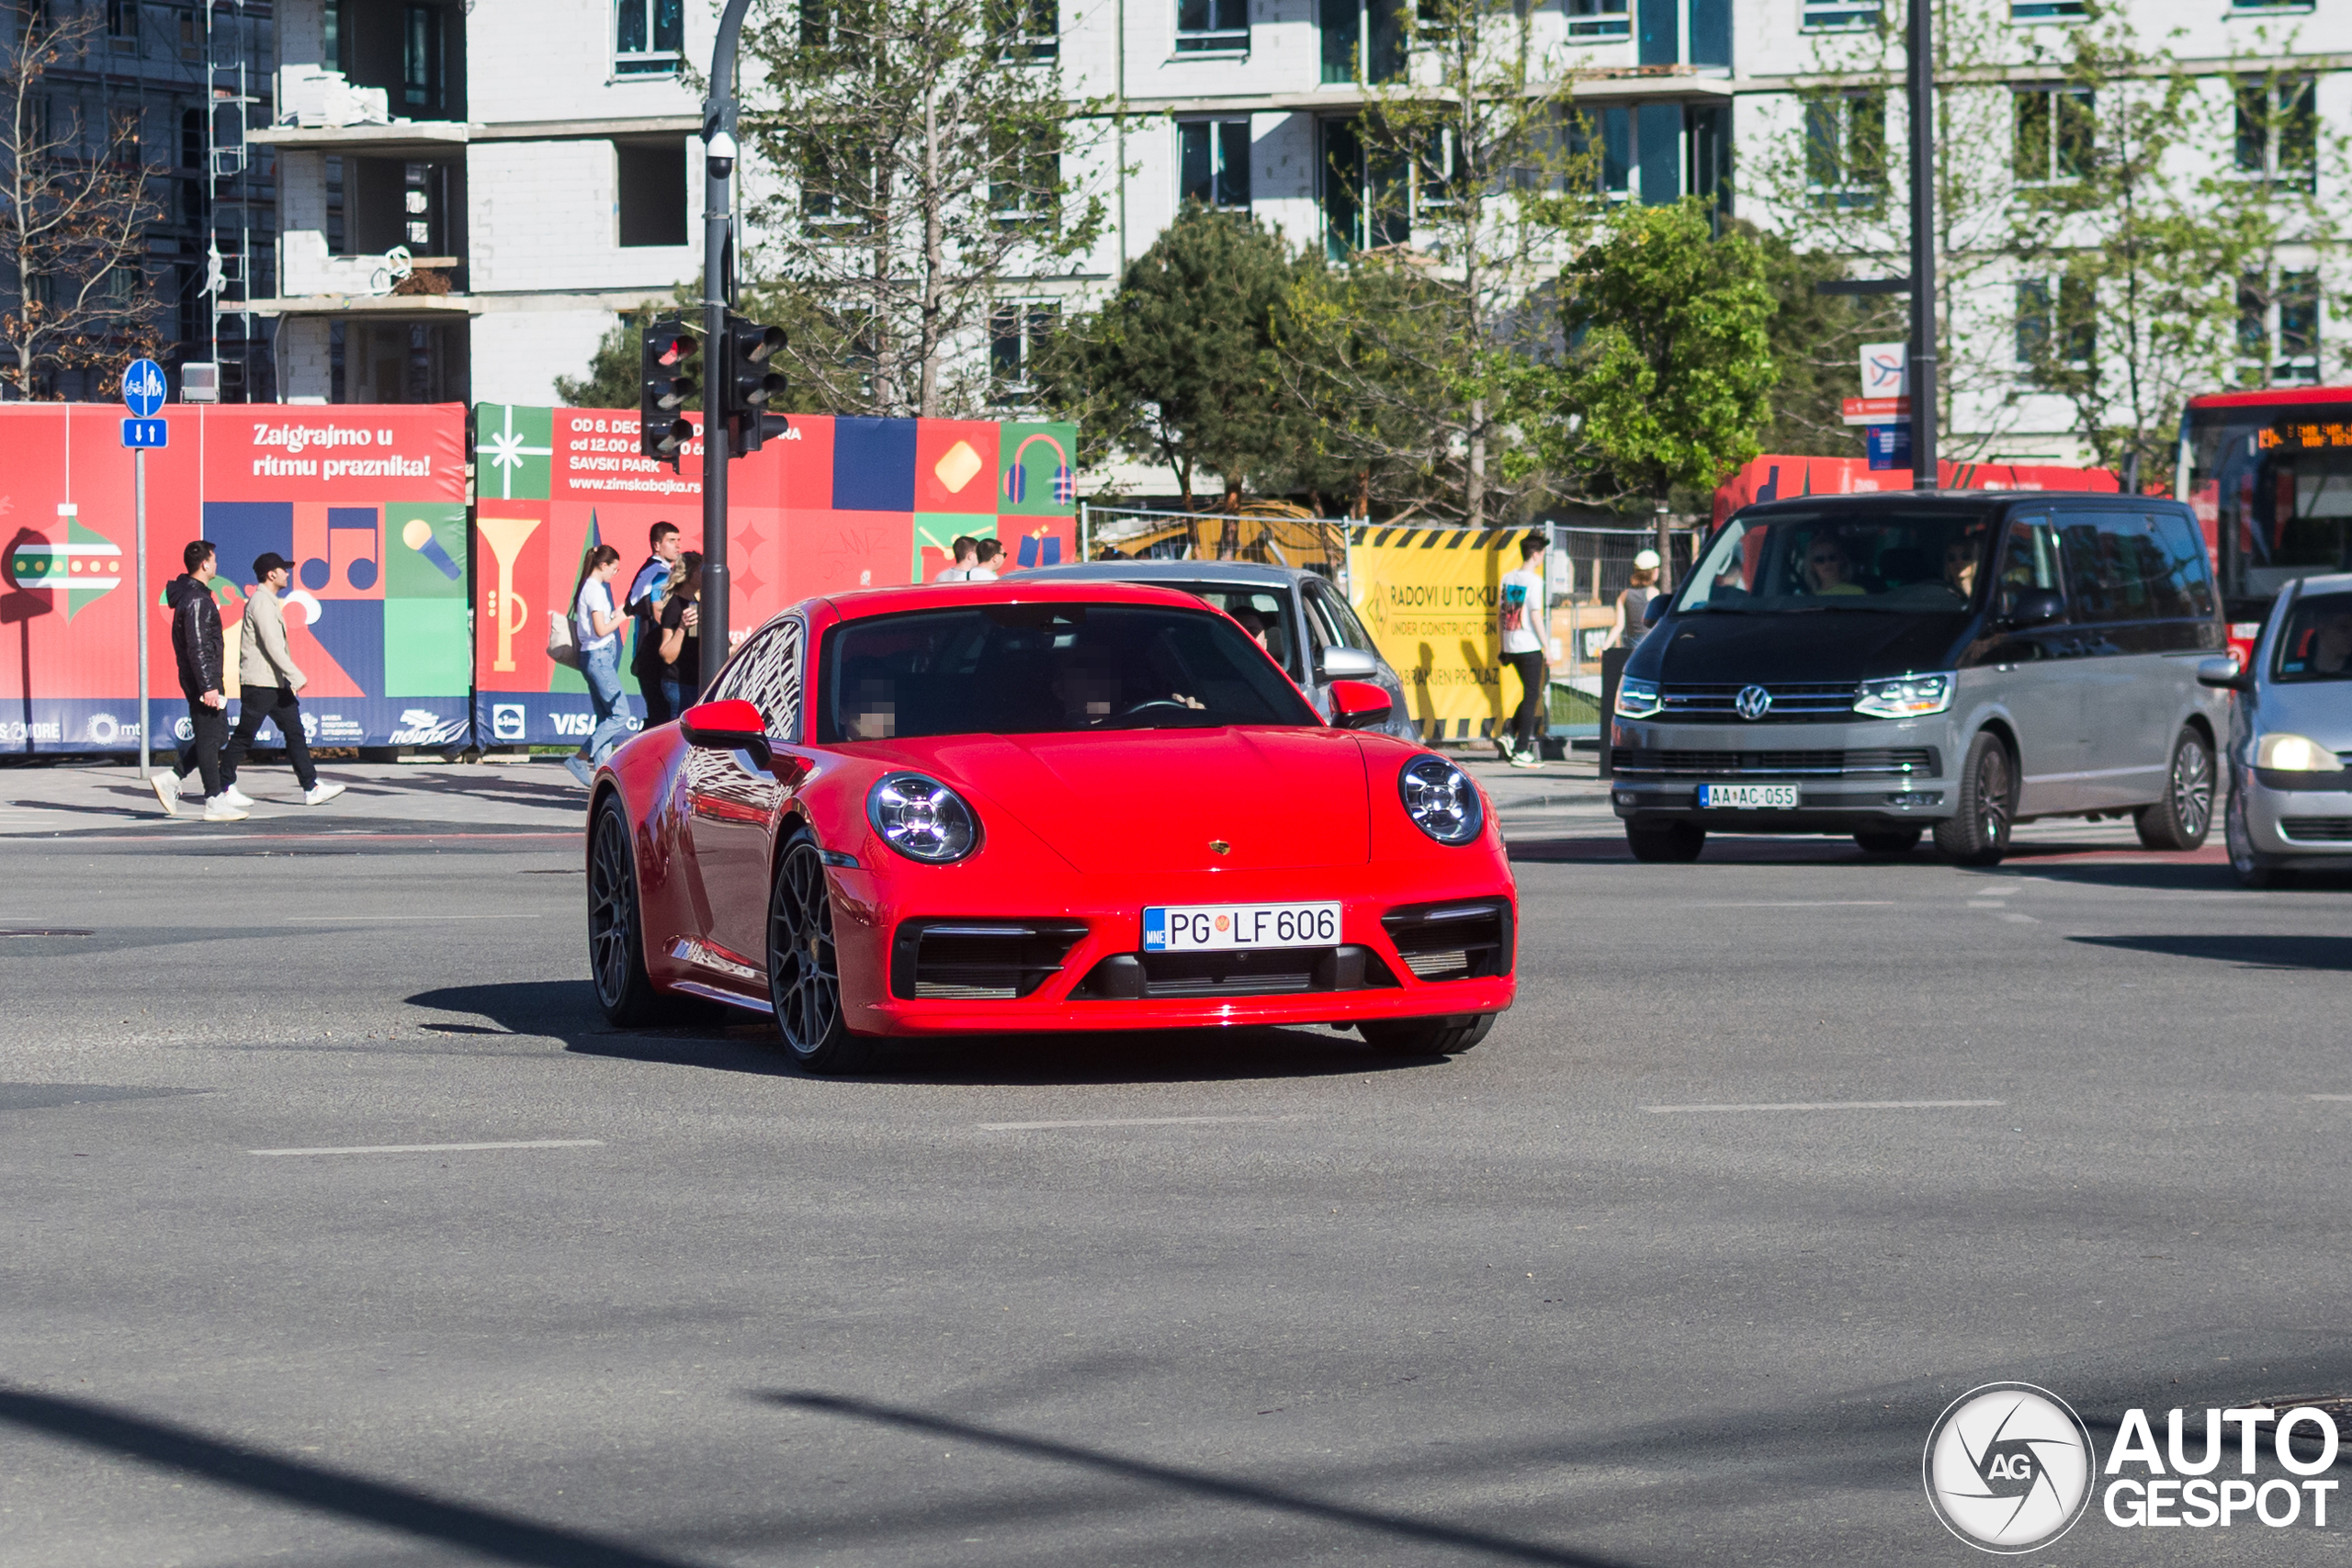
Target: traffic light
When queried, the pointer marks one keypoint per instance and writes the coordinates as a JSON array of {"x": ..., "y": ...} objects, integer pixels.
[
  {"x": 751, "y": 381},
  {"x": 671, "y": 359}
]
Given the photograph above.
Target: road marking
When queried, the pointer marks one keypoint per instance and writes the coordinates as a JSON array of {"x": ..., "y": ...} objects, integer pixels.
[
  {"x": 1126, "y": 1121},
  {"x": 2328, "y": 1097},
  {"x": 1808, "y": 904},
  {"x": 442, "y": 1148},
  {"x": 2016, "y": 919},
  {"x": 1986, "y": 904},
  {"x": 307, "y": 920},
  {"x": 1843, "y": 1105}
]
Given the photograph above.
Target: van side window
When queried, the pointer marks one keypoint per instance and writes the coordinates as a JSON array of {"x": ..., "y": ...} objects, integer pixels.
[
  {"x": 2118, "y": 568},
  {"x": 2192, "y": 573},
  {"x": 2030, "y": 561}
]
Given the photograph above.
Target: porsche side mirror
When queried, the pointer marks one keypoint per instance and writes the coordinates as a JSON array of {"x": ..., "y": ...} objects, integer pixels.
[
  {"x": 2036, "y": 607},
  {"x": 732, "y": 724},
  {"x": 1655, "y": 611},
  {"x": 1358, "y": 705},
  {"x": 2225, "y": 674},
  {"x": 1346, "y": 664}
]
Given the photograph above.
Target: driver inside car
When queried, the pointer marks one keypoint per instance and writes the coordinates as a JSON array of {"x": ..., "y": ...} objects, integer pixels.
[{"x": 1827, "y": 568}]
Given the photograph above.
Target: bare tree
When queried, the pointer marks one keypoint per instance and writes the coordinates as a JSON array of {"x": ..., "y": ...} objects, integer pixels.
[
  {"x": 913, "y": 153},
  {"x": 74, "y": 210}
]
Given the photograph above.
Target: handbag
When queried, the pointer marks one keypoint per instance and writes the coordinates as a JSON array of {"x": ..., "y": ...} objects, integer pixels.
[{"x": 562, "y": 648}]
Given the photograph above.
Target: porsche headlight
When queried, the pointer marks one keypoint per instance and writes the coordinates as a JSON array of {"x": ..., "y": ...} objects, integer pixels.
[
  {"x": 922, "y": 819},
  {"x": 1637, "y": 699},
  {"x": 1440, "y": 800},
  {"x": 2294, "y": 754},
  {"x": 1905, "y": 696}
]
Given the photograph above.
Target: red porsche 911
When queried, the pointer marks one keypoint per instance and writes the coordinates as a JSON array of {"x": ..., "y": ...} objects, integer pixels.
[{"x": 1016, "y": 807}]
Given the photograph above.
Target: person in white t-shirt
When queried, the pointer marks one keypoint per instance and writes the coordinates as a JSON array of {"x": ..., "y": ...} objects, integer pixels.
[
  {"x": 1526, "y": 621},
  {"x": 965, "y": 548},
  {"x": 985, "y": 562},
  {"x": 596, "y": 627}
]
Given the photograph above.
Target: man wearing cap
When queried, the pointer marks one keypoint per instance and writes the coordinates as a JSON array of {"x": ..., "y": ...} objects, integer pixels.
[
  {"x": 270, "y": 679},
  {"x": 1634, "y": 604}
]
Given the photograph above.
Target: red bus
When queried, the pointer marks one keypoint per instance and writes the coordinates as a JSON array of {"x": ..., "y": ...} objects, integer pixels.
[{"x": 2269, "y": 475}]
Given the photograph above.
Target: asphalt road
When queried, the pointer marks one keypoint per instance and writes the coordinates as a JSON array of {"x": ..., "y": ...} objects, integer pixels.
[{"x": 1131, "y": 1300}]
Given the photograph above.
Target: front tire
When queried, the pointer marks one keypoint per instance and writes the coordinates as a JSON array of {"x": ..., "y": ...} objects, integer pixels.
[
  {"x": 615, "y": 921},
  {"x": 1978, "y": 834},
  {"x": 2252, "y": 870},
  {"x": 804, "y": 967},
  {"x": 1666, "y": 842},
  {"x": 2179, "y": 820},
  {"x": 1428, "y": 1036}
]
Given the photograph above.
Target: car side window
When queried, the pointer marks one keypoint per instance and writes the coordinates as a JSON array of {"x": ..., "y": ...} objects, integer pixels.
[
  {"x": 768, "y": 675},
  {"x": 2119, "y": 569},
  {"x": 2029, "y": 560},
  {"x": 1350, "y": 629},
  {"x": 1323, "y": 625}
]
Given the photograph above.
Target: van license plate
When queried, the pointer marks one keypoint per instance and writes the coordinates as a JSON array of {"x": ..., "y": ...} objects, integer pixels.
[{"x": 1747, "y": 797}]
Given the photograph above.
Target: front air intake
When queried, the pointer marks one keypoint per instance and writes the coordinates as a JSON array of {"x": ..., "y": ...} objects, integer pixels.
[
  {"x": 977, "y": 960},
  {"x": 1465, "y": 940}
]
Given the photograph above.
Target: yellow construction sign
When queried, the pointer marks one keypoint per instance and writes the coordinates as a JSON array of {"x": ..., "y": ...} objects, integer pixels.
[{"x": 1428, "y": 597}]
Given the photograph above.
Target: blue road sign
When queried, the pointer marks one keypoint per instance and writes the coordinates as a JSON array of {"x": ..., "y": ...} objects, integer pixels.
[
  {"x": 1889, "y": 444},
  {"x": 146, "y": 433},
  {"x": 143, "y": 391}
]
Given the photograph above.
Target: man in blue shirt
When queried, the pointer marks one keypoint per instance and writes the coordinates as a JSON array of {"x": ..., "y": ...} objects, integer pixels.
[{"x": 643, "y": 603}]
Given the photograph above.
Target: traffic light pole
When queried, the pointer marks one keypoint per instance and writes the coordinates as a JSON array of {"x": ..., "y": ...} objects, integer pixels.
[
  {"x": 718, "y": 295},
  {"x": 1924, "y": 472}
]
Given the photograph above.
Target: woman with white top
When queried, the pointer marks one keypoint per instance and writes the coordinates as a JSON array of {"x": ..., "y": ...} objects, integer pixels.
[{"x": 596, "y": 628}]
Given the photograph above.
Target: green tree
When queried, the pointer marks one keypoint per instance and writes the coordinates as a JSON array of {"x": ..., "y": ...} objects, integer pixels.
[
  {"x": 1815, "y": 341},
  {"x": 1668, "y": 373},
  {"x": 914, "y": 152},
  {"x": 1179, "y": 366}
]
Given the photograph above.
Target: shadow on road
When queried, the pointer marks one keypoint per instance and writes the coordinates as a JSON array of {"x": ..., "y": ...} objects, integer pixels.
[
  {"x": 723, "y": 1040},
  {"x": 1196, "y": 1482},
  {"x": 2325, "y": 953},
  {"x": 485, "y": 1532}
]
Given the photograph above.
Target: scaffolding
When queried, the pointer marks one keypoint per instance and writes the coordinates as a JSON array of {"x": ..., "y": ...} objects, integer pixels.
[{"x": 234, "y": 55}]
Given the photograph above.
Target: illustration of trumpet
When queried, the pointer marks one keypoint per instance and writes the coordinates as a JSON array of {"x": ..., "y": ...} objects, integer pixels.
[{"x": 508, "y": 612}]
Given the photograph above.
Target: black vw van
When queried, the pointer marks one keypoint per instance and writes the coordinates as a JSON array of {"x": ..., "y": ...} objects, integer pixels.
[{"x": 1960, "y": 662}]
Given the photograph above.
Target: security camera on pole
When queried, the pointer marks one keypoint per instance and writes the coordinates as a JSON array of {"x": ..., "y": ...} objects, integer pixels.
[{"x": 735, "y": 416}]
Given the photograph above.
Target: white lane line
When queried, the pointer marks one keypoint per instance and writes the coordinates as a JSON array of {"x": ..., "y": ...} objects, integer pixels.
[
  {"x": 1840, "y": 1105},
  {"x": 1126, "y": 1121},
  {"x": 1986, "y": 904},
  {"x": 2016, "y": 919},
  {"x": 2328, "y": 1097},
  {"x": 1808, "y": 904},
  {"x": 442, "y": 1148}
]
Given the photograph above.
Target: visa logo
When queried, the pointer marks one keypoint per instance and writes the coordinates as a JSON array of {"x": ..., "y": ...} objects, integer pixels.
[{"x": 580, "y": 724}]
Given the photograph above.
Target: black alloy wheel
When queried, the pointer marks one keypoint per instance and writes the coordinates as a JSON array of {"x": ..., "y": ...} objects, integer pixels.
[
  {"x": 615, "y": 927},
  {"x": 804, "y": 967},
  {"x": 1978, "y": 834},
  {"x": 1666, "y": 842},
  {"x": 2252, "y": 870},
  {"x": 1428, "y": 1036},
  {"x": 1888, "y": 840},
  {"x": 2179, "y": 820}
]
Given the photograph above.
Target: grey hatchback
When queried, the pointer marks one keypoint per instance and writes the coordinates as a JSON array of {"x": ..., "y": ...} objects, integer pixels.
[
  {"x": 1301, "y": 618},
  {"x": 2290, "y": 736}
]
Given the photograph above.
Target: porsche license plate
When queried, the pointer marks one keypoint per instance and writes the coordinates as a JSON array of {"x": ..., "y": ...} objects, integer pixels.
[
  {"x": 1197, "y": 928},
  {"x": 1747, "y": 797}
]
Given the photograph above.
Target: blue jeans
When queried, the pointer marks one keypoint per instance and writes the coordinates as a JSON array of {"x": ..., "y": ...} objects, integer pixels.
[{"x": 602, "y": 668}]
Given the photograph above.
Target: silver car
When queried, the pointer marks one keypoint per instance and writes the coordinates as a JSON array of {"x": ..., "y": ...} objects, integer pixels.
[
  {"x": 2290, "y": 736},
  {"x": 1303, "y": 620}
]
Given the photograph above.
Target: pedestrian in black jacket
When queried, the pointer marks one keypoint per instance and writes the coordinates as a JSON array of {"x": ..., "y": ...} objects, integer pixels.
[{"x": 196, "y": 644}]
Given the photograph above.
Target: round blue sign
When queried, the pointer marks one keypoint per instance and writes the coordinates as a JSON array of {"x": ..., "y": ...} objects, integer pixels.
[{"x": 144, "y": 389}]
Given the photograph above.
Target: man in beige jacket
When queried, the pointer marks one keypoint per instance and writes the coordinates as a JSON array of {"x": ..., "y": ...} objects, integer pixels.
[{"x": 267, "y": 672}]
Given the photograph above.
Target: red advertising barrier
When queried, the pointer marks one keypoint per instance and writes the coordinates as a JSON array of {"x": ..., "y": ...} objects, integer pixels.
[
  {"x": 367, "y": 502},
  {"x": 832, "y": 505},
  {"x": 1777, "y": 478}
]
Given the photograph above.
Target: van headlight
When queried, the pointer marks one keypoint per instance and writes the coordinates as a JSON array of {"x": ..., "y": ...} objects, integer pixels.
[
  {"x": 2294, "y": 754},
  {"x": 1440, "y": 800},
  {"x": 1637, "y": 699},
  {"x": 922, "y": 819},
  {"x": 1905, "y": 696}
]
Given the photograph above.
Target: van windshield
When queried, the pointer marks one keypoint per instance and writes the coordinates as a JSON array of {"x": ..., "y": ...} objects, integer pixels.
[{"x": 1910, "y": 561}]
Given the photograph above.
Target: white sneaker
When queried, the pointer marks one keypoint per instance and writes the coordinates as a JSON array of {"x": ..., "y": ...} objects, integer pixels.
[
  {"x": 166, "y": 785},
  {"x": 1527, "y": 759},
  {"x": 236, "y": 796},
  {"x": 320, "y": 792},
  {"x": 219, "y": 810}
]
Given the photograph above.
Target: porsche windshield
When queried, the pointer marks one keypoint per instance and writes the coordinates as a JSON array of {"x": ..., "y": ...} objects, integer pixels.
[
  {"x": 1899, "y": 559},
  {"x": 1028, "y": 669}
]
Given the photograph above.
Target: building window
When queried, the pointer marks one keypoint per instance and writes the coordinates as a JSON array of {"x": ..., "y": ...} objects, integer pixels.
[
  {"x": 2049, "y": 10},
  {"x": 2278, "y": 128},
  {"x": 2062, "y": 335},
  {"x": 649, "y": 37},
  {"x": 1363, "y": 194},
  {"x": 2054, "y": 134},
  {"x": 2278, "y": 330},
  {"x": 1214, "y": 163},
  {"x": 650, "y": 185},
  {"x": 122, "y": 26},
  {"x": 1018, "y": 334},
  {"x": 836, "y": 186},
  {"x": 1840, "y": 15},
  {"x": 421, "y": 62},
  {"x": 1212, "y": 25},
  {"x": 1597, "y": 19},
  {"x": 1363, "y": 41},
  {"x": 1026, "y": 29},
  {"x": 1845, "y": 149},
  {"x": 1605, "y": 135},
  {"x": 2264, "y": 7},
  {"x": 1025, "y": 179}
]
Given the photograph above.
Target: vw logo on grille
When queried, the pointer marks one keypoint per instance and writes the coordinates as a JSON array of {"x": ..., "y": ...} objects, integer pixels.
[{"x": 1752, "y": 702}]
